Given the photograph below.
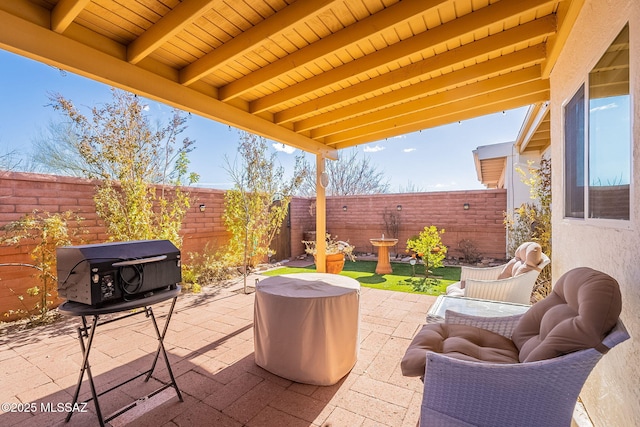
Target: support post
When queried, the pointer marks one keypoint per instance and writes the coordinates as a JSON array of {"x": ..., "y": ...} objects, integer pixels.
[{"x": 321, "y": 217}]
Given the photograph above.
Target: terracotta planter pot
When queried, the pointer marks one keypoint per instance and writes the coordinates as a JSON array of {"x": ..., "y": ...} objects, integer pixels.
[{"x": 334, "y": 263}]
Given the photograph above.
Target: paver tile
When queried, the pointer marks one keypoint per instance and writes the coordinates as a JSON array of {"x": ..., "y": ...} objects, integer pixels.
[{"x": 210, "y": 348}]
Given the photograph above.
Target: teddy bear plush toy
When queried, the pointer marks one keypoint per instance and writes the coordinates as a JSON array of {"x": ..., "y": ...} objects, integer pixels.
[{"x": 527, "y": 258}]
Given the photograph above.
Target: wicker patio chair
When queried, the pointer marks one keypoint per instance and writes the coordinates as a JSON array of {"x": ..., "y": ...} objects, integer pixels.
[
  {"x": 474, "y": 384},
  {"x": 488, "y": 283}
]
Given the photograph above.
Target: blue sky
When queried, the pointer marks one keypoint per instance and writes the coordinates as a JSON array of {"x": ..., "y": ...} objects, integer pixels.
[{"x": 437, "y": 159}]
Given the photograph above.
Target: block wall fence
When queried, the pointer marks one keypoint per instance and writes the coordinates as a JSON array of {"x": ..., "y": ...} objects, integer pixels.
[
  {"x": 22, "y": 193},
  {"x": 363, "y": 219}
]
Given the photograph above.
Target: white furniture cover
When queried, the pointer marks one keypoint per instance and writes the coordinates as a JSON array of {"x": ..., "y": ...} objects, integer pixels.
[{"x": 306, "y": 326}]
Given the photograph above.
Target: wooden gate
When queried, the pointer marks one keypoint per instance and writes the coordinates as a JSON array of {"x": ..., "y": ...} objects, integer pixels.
[{"x": 281, "y": 243}]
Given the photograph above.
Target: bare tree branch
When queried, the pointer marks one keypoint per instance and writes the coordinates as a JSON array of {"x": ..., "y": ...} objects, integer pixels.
[{"x": 349, "y": 175}]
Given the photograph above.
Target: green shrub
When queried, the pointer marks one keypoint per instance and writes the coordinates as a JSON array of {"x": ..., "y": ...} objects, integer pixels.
[
  {"x": 45, "y": 232},
  {"x": 532, "y": 221},
  {"x": 429, "y": 247},
  {"x": 208, "y": 267}
]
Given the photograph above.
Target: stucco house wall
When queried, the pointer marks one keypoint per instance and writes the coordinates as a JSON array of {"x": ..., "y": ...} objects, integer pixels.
[{"x": 612, "y": 392}]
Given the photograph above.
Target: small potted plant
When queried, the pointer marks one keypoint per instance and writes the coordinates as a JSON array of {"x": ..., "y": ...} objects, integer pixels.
[{"x": 336, "y": 252}]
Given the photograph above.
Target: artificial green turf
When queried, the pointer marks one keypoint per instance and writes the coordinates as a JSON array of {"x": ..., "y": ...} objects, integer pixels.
[{"x": 401, "y": 279}]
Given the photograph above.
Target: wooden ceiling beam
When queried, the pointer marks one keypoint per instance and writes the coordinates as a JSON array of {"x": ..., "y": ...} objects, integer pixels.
[
  {"x": 348, "y": 36},
  {"x": 520, "y": 59},
  {"x": 567, "y": 14},
  {"x": 39, "y": 43},
  {"x": 494, "y": 43},
  {"x": 65, "y": 12},
  {"x": 495, "y": 101},
  {"x": 422, "y": 42},
  {"x": 459, "y": 82},
  {"x": 169, "y": 25},
  {"x": 482, "y": 109},
  {"x": 422, "y": 107},
  {"x": 247, "y": 40}
]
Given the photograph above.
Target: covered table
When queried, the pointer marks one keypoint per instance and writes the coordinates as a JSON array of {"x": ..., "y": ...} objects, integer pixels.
[{"x": 306, "y": 326}]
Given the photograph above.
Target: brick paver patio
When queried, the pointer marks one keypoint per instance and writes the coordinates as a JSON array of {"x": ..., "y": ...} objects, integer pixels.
[{"x": 210, "y": 344}]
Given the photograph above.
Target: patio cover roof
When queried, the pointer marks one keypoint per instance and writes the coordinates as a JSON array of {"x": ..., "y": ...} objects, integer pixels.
[
  {"x": 317, "y": 75},
  {"x": 491, "y": 163}
]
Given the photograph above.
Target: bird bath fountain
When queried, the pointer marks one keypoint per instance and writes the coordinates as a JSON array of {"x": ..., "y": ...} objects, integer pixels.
[{"x": 384, "y": 266}]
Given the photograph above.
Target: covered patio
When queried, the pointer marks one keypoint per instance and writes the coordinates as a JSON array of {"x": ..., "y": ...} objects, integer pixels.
[
  {"x": 210, "y": 345},
  {"x": 322, "y": 76},
  {"x": 319, "y": 76}
]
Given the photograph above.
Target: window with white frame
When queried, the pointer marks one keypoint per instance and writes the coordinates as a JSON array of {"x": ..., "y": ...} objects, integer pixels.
[{"x": 597, "y": 128}]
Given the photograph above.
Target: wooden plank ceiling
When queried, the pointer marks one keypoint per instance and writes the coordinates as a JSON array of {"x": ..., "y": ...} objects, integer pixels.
[{"x": 317, "y": 75}]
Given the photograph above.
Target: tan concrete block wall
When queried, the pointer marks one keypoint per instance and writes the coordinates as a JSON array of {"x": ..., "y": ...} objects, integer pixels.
[
  {"x": 363, "y": 219},
  {"x": 302, "y": 211},
  {"x": 21, "y": 193}
]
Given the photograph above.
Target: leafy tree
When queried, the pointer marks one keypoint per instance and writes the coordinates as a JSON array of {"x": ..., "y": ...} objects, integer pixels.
[
  {"x": 48, "y": 231},
  {"x": 532, "y": 221},
  {"x": 429, "y": 247},
  {"x": 117, "y": 145},
  {"x": 259, "y": 201},
  {"x": 349, "y": 175}
]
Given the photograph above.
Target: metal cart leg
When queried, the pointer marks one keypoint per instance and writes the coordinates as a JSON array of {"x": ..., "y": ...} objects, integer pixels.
[
  {"x": 82, "y": 333},
  {"x": 161, "y": 348}
]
